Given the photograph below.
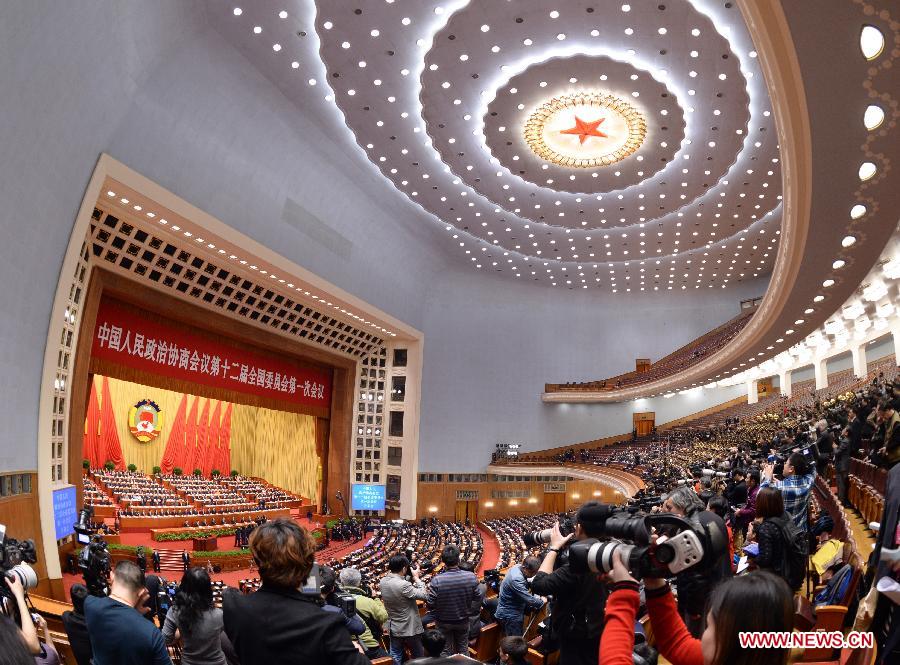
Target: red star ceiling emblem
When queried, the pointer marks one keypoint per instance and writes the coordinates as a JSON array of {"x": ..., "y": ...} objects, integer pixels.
[{"x": 584, "y": 129}]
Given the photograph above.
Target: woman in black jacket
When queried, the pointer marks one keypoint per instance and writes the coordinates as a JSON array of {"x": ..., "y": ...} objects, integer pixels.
[{"x": 769, "y": 536}]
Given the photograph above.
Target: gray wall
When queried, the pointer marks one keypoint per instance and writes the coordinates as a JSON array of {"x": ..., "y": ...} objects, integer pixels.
[
  {"x": 151, "y": 84},
  {"x": 490, "y": 346}
]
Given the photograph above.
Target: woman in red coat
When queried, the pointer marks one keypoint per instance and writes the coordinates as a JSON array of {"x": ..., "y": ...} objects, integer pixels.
[{"x": 759, "y": 601}]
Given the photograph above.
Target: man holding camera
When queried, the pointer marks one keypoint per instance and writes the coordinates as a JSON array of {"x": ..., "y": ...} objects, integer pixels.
[
  {"x": 579, "y": 600},
  {"x": 799, "y": 477},
  {"x": 399, "y": 595},
  {"x": 515, "y": 597},
  {"x": 119, "y": 632},
  {"x": 370, "y": 610}
]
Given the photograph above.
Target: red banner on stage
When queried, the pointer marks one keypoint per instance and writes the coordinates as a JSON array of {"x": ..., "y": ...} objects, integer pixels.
[{"x": 125, "y": 337}]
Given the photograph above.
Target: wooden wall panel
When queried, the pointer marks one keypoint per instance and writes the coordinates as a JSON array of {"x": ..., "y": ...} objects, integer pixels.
[
  {"x": 22, "y": 518},
  {"x": 442, "y": 497}
]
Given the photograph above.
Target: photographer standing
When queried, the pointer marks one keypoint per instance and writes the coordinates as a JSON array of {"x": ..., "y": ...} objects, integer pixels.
[
  {"x": 370, "y": 610},
  {"x": 28, "y": 630},
  {"x": 579, "y": 600},
  {"x": 515, "y": 597},
  {"x": 399, "y": 596},
  {"x": 798, "y": 481}
]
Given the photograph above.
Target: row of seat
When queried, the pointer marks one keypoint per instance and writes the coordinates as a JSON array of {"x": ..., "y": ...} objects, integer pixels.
[{"x": 866, "y": 499}]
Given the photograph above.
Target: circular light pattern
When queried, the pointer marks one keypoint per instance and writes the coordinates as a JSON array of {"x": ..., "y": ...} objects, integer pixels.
[
  {"x": 678, "y": 213},
  {"x": 567, "y": 131},
  {"x": 871, "y": 42}
]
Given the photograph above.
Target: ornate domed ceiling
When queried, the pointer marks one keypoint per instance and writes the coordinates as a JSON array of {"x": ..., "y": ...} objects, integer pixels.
[
  {"x": 617, "y": 147},
  {"x": 442, "y": 97}
]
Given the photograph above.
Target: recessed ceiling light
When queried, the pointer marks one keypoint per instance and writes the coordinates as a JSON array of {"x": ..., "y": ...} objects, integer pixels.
[
  {"x": 827, "y": 283},
  {"x": 848, "y": 241},
  {"x": 295, "y": 65},
  {"x": 406, "y": 20},
  {"x": 867, "y": 170},
  {"x": 257, "y": 30},
  {"x": 809, "y": 311},
  {"x": 818, "y": 298},
  {"x": 312, "y": 81},
  {"x": 276, "y": 47},
  {"x": 857, "y": 211},
  {"x": 375, "y": 32},
  {"x": 871, "y": 42},
  {"x": 837, "y": 265},
  {"x": 328, "y": 25},
  {"x": 626, "y": 8},
  {"x": 873, "y": 117},
  {"x": 282, "y": 14},
  {"x": 238, "y": 11},
  {"x": 485, "y": 27}
]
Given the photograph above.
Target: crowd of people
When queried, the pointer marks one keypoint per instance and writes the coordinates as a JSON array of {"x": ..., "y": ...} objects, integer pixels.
[{"x": 751, "y": 494}]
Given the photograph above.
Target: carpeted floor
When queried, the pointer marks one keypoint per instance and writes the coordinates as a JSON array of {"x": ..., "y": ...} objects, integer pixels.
[{"x": 491, "y": 551}]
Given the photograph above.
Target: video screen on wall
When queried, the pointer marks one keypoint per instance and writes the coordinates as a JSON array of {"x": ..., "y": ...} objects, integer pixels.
[{"x": 367, "y": 497}]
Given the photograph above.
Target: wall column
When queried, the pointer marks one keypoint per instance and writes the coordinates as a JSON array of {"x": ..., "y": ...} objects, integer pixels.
[
  {"x": 860, "y": 368},
  {"x": 752, "y": 392},
  {"x": 784, "y": 382},
  {"x": 821, "y": 366}
]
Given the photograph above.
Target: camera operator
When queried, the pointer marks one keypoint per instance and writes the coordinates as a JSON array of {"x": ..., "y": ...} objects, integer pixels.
[
  {"x": 755, "y": 602},
  {"x": 27, "y": 629},
  {"x": 799, "y": 477},
  {"x": 119, "y": 632},
  {"x": 515, "y": 597},
  {"x": 399, "y": 596},
  {"x": 694, "y": 585},
  {"x": 576, "y": 619},
  {"x": 370, "y": 610},
  {"x": 278, "y": 625},
  {"x": 330, "y": 594}
]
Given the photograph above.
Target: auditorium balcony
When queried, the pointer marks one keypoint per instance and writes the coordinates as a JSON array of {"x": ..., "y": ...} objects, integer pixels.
[{"x": 677, "y": 361}]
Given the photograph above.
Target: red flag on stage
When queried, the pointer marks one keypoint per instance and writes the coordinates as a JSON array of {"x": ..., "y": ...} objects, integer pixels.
[
  {"x": 200, "y": 449},
  {"x": 225, "y": 442},
  {"x": 212, "y": 442},
  {"x": 110, "y": 446},
  {"x": 186, "y": 455},
  {"x": 91, "y": 442},
  {"x": 176, "y": 439}
]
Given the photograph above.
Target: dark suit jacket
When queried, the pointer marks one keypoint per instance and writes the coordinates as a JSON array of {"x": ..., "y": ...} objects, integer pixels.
[{"x": 276, "y": 626}]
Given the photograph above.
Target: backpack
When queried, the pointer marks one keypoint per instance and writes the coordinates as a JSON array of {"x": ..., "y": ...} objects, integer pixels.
[
  {"x": 796, "y": 552},
  {"x": 834, "y": 590}
]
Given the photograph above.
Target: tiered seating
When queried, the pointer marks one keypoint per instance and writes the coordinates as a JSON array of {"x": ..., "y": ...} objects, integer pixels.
[
  {"x": 867, "y": 488},
  {"x": 426, "y": 541},
  {"x": 508, "y": 533},
  {"x": 208, "y": 493},
  {"x": 136, "y": 491},
  {"x": 260, "y": 491},
  {"x": 675, "y": 362},
  {"x": 93, "y": 495}
]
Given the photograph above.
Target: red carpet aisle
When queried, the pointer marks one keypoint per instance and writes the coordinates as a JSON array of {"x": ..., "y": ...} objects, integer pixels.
[{"x": 491, "y": 551}]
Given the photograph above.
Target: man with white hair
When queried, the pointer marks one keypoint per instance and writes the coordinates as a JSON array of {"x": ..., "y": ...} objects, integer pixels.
[{"x": 370, "y": 610}]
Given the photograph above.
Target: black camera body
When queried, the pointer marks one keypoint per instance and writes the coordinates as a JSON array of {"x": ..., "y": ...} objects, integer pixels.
[
  {"x": 94, "y": 563},
  {"x": 682, "y": 544},
  {"x": 345, "y": 601},
  {"x": 538, "y": 538},
  {"x": 492, "y": 579},
  {"x": 16, "y": 557}
]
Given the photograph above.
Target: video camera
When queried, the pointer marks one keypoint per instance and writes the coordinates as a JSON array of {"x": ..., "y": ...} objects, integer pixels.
[
  {"x": 15, "y": 559},
  {"x": 681, "y": 544},
  {"x": 492, "y": 579},
  {"x": 94, "y": 563}
]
